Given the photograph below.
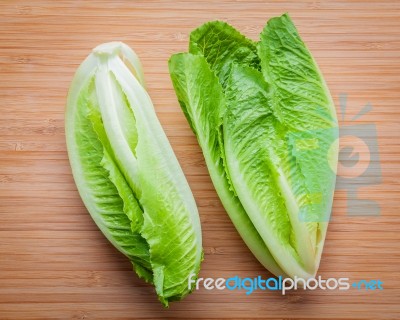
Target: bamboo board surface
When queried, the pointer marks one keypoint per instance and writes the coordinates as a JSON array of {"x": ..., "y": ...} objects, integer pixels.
[{"x": 54, "y": 263}]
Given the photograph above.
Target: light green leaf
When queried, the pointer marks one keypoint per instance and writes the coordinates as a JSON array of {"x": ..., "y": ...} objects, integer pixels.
[
  {"x": 302, "y": 103},
  {"x": 300, "y": 97},
  {"x": 255, "y": 149},
  {"x": 200, "y": 96}
]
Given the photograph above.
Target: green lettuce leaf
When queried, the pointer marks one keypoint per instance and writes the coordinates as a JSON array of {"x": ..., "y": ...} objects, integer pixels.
[
  {"x": 127, "y": 174},
  {"x": 303, "y": 104},
  {"x": 221, "y": 45},
  {"x": 202, "y": 101}
]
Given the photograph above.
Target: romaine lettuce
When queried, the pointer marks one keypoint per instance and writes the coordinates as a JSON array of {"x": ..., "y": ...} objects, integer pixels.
[
  {"x": 127, "y": 174},
  {"x": 267, "y": 127}
]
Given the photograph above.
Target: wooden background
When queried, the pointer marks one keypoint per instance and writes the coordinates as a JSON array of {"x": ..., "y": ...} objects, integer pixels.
[{"x": 54, "y": 263}]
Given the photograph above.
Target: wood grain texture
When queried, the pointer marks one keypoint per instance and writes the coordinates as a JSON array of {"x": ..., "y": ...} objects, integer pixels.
[{"x": 55, "y": 264}]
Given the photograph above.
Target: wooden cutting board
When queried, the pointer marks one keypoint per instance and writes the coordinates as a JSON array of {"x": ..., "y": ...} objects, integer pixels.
[{"x": 54, "y": 263}]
